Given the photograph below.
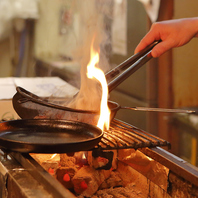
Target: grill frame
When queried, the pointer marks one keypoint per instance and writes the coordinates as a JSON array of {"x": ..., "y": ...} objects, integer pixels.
[{"x": 122, "y": 135}]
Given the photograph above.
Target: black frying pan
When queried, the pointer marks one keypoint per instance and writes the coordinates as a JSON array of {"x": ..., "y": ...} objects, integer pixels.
[
  {"x": 30, "y": 106},
  {"x": 48, "y": 136}
]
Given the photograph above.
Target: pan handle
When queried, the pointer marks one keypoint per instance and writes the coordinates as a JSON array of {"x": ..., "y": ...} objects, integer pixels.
[{"x": 158, "y": 109}]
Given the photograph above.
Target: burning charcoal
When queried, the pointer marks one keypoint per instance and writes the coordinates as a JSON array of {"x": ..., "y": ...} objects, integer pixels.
[
  {"x": 120, "y": 192},
  {"x": 50, "y": 162},
  {"x": 113, "y": 181},
  {"x": 67, "y": 161},
  {"x": 65, "y": 175},
  {"x": 148, "y": 167},
  {"x": 87, "y": 180},
  {"x": 81, "y": 158},
  {"x": 100, "y": 162},
  {"x": 50, "y": 165},
  {"x": 103, "y": 195},
  {"x": 40, "y": 158},
  {"x": 70, "y": 154},
  {"x": 102, "y": 159},
  {"x": 51, "y": 171}
]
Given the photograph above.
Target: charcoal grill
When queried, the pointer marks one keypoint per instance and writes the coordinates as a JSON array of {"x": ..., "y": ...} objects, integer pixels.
[{"x": 22, "y": 176}]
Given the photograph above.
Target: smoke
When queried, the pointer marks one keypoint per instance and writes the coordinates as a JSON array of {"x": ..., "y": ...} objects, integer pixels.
[{"x": 92, "y": 29}]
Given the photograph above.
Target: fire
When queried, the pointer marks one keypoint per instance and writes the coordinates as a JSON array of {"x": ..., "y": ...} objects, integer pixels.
[
  {"x": 94, "y": 72},
  {"x": 53, "y": 156}
]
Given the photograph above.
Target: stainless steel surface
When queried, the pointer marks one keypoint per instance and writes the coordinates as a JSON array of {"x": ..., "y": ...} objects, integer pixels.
[
  {"x": 30, "y": 179},
  {"x": 16, "y": 181},
  {"x": 48, "y": 182}
]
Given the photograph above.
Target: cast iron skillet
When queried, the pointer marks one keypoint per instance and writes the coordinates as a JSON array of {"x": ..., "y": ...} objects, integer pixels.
[
  {"x": 48, "y": 136},
  {"x": 30, "y": 106}
]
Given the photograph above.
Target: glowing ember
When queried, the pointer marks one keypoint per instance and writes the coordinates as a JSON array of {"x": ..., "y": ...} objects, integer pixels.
[
  {"x": 51, "y": 171},
  {"x": 66, "y": 177},
  {"x": 94, "y": 72},
  {"x": 83, "y": 185}
]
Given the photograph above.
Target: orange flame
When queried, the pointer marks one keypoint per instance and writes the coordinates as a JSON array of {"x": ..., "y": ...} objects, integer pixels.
[
  {"x": 53, "y": 156},
  {"x": 93, "y": 72}
]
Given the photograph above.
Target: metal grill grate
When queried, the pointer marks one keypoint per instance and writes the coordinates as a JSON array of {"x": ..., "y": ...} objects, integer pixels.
[{"x": 122, "y": 136}]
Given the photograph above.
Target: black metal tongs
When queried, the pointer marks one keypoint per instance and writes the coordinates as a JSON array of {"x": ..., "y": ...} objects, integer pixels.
[{"x": 118, "y": 74}]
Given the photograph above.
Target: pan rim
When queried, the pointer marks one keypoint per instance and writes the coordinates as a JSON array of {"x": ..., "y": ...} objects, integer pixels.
[
  {"x": 39, "y": 100},
  {"x": 33, "y": 146}
]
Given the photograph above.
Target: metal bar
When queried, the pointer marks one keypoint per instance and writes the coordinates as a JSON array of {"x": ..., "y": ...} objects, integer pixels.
[
  {"x": 173, "y": 163},
  {"x": 41, "y": 175},
  {"x": 123, "y": 136},
  {"x": 16, "y": 181},
  {"x": 140, "y": 132},
  {"x": 134, "y": 136},
  {"x": 159, "y": 109}
]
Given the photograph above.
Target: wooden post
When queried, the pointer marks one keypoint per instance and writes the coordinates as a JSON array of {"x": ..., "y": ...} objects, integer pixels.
[
  {"x": 160, "y": 82},
  {"x": 165, "y": 94}
]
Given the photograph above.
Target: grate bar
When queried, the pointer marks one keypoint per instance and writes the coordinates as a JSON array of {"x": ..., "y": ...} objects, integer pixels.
[{"x": 122, "y": 136}]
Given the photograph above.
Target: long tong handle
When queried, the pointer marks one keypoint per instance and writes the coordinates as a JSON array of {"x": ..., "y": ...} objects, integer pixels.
[
  {"x": 125, "y": 69},
  {"x": 159, "y": 109}
]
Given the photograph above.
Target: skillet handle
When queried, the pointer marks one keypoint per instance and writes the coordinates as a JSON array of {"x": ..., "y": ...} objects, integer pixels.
[{"x": 159, "y": 109}]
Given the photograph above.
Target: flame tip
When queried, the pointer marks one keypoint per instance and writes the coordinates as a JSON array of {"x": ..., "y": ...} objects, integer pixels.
[{"x": 93, "y": 72}]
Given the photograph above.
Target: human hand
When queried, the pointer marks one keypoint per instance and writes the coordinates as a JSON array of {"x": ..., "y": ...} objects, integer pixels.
[{"x": 172, "y": 33}]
